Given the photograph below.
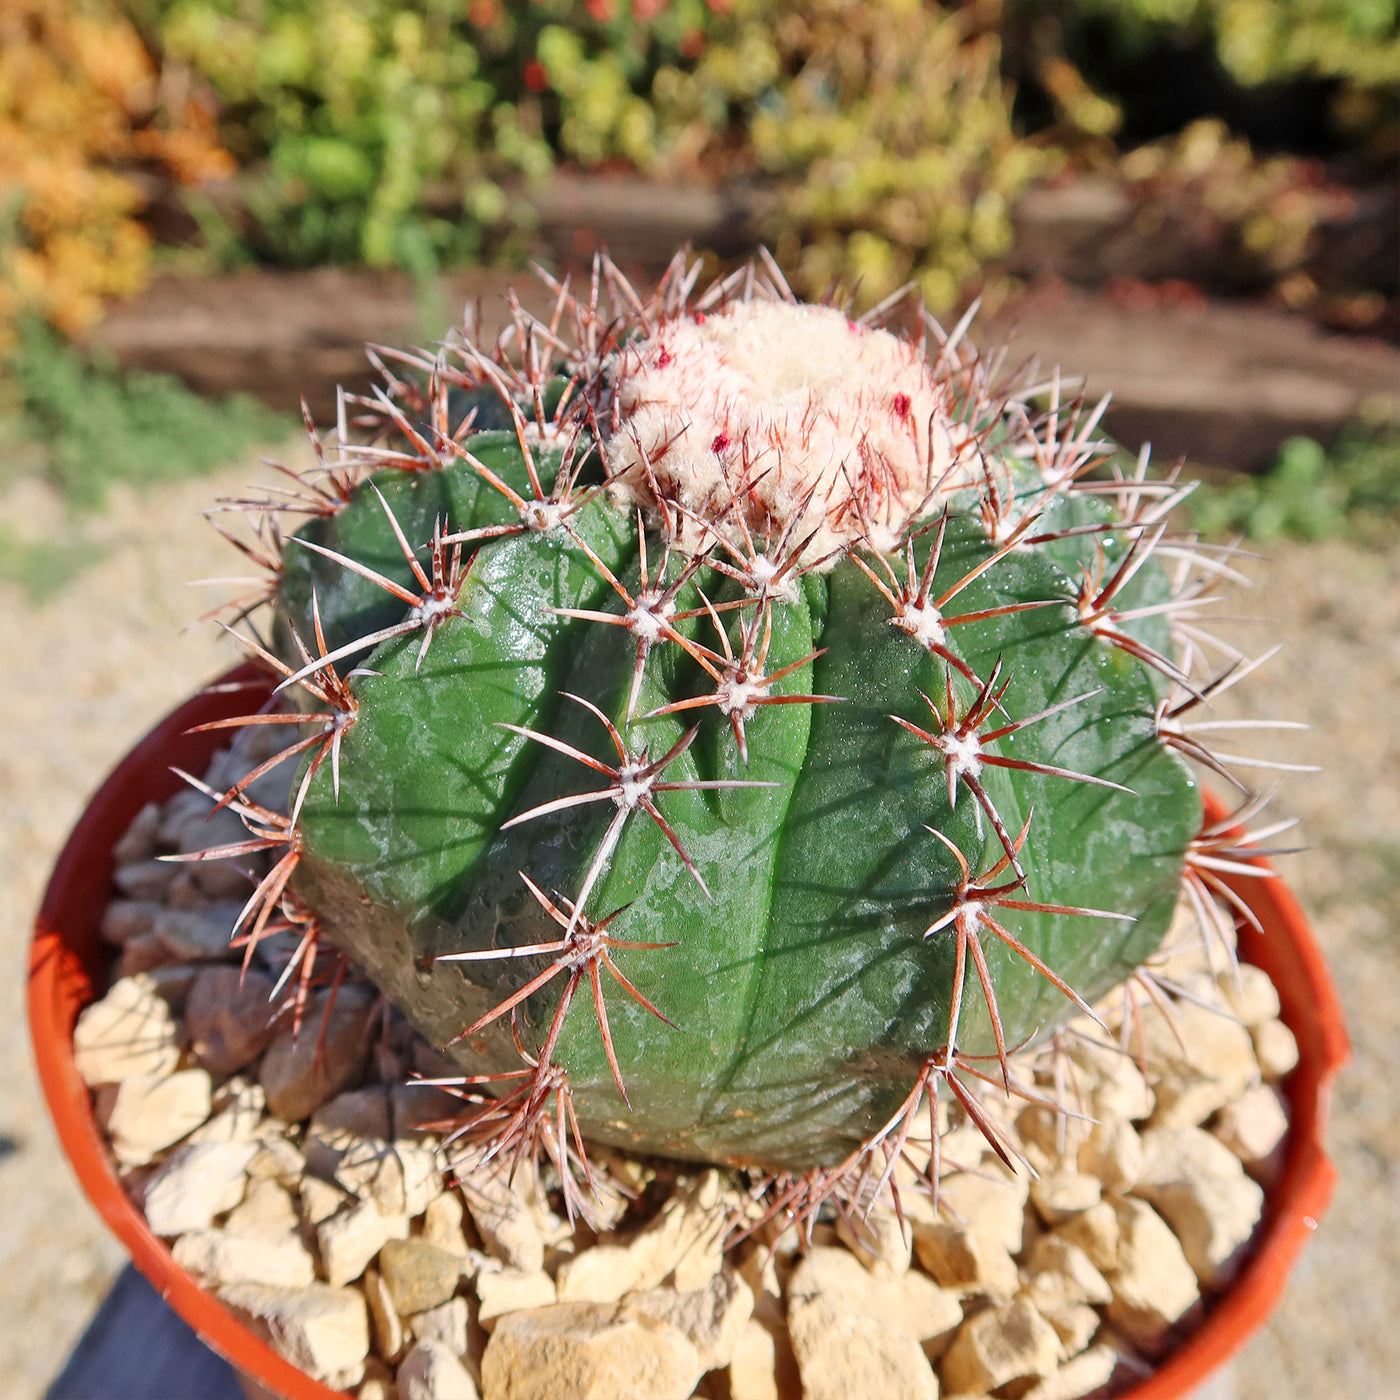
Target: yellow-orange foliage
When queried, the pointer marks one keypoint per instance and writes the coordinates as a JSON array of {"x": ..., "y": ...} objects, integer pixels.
[{"x": 82, "y": 105}]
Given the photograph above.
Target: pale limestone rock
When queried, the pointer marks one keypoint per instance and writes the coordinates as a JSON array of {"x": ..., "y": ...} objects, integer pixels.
[
  {"x": 511, "y": 1290},
  {"x": 1057, "y": 1301},
  {"x": 431, "y": 1372},
  {"x": 323, "y": 1330},
  {"x": 218, "y": 1257},
  {"x": 1112, "y": 1152},
  {"x": 915, "y": 1195},
  {"x": 196, "y": 1183},
  {"x": 999, "y": 1345},
  {"x": 1064, "y": 1194},
  {"x": 1249, "y": 994},
  {"x": 1077, "y": 1277},
  {"x": 277, "y": 1160},
  {"x": 587, "y": 1351},
  {"x": 408, "y": 1179},
  {"x": 147, "y": 1113},
  {"x": 130, "y": 1031},
  {"x": 1031, "y": 1231},
  {"x": 1200, "y": 1188},
  {"x": 966, "y": 1261},
  {"x": 1075, "y": 1324},
  {"x": 1216, "y": 1065},
  {"x": 1108, "y": 1077},
  {"x": 1055, "y": 1136},
  {"x": 879, "y": 1240},
  {"x": 1276, "y": 1049},
  {"x": 246, "y": 1097},
  {"x": 1078, "y": 1377},
  {"x": 419, "y": 1275},
  {"x": 911, "y": 1303},
  {"x": 201, "y": 935},
  {"x": 442, "y": 1223},
  {"x": 378, "y": 1382},
  {"x": 714, "y": 1318},
  {"x": 700, "y": 1263},
  {"x": 237, "y": 1114},
  {"x": 690, "y": 1224},
  {"x": 753, "y": 1369},
  {"x": 992, "y": 1198},
  {"x": 962, "y": 1146},
  {"x": 1253, "y": 1125},
  {"x": 758, "y": 1267},
  {"x": 503, "y": 1218},
  {"x": 447, "y": 1323},
  {"x": 1095, "y": 1231},
  {"x": 842, "y": 1354},
  {"x": 384, "y": 1317},
  {"x": 349, "y": 1239},
  {"x": 320, "y": 1199},
  {"x": 1153, "y": 1286},
  {"x": 297, "y": 1076},
  {"x": 611, "y": 1173},
  {"x": 267, "y": 1211},
  {"x": 698, "y": 1227},
  {"x": 124, "y": 919},
  {"x": 350, "y": 1161}
]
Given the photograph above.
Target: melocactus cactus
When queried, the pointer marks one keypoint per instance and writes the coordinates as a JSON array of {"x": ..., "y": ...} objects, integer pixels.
[{"x": 729, "y": 719}]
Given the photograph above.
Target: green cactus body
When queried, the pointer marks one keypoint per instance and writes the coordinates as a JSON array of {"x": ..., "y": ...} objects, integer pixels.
[{"x": 729, "y": 826}]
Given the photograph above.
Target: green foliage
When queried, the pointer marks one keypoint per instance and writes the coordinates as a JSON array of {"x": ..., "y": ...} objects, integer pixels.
[
  {"x": 367, "y": 114},
  {"x": 893, "y": 142},
  {"x": 885, "y": 126},
  {"x": 1260, "y": 41},
  {"x": 85, "y": 427},
  {"x": 1310, "y": 492},
  {"x": 43, "y": 568},
  {"x": 81, "y": 106},
  {"x": 391, "y": 135}
]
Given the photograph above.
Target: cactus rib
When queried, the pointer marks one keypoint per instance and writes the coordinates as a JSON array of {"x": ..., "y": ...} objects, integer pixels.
[{"x": 833, "y": 576}]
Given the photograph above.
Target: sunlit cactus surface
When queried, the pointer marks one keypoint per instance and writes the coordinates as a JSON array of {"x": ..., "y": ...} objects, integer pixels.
[{"x": 727, "y": 718}]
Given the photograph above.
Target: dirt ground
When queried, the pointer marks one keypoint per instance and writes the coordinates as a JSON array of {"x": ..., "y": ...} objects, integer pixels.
[{"x": 92, "y": 668}]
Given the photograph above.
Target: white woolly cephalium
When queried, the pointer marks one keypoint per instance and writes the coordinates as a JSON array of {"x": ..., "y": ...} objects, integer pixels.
[{"x": 789, "y": 421}]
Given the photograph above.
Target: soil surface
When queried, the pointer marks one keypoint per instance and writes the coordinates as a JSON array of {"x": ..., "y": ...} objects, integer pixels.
[{"x": 104, "y": 657}]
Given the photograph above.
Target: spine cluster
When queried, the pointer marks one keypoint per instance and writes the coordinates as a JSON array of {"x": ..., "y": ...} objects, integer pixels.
[{"x": 711, "y": 475}]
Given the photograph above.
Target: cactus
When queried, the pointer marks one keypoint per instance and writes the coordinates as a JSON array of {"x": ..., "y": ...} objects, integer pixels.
[{"x": 729, "y": 725}]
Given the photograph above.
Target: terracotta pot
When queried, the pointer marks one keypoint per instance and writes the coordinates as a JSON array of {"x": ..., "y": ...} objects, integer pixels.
[{"x": 67, "y": 966}]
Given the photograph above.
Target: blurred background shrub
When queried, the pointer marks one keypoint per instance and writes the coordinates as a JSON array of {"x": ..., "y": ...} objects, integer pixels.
[
  {"x": 82, "y": 101},
  {"x": 1310, "y": 492},
  {"x": 891, "y": 138}
]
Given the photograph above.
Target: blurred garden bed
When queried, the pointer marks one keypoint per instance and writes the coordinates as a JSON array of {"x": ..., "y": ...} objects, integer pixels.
[
  {"x": 1192, "y": 202},
  {"x": 1246, "y": 149},
  {"x": 1223, "y": 383}
]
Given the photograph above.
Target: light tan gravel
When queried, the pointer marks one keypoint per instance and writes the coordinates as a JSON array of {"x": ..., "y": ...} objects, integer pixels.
[
  {"x": 85, "y": 675},
  {"x": 89, "y": 671},
  {"x": 1336, "y": 607}
]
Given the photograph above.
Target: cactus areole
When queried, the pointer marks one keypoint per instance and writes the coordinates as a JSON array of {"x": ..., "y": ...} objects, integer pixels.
[{"x": 727, "y": 716}]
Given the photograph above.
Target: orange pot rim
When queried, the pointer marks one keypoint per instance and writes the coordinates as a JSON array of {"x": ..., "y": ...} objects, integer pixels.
[{"x": 66, "y": 962}]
